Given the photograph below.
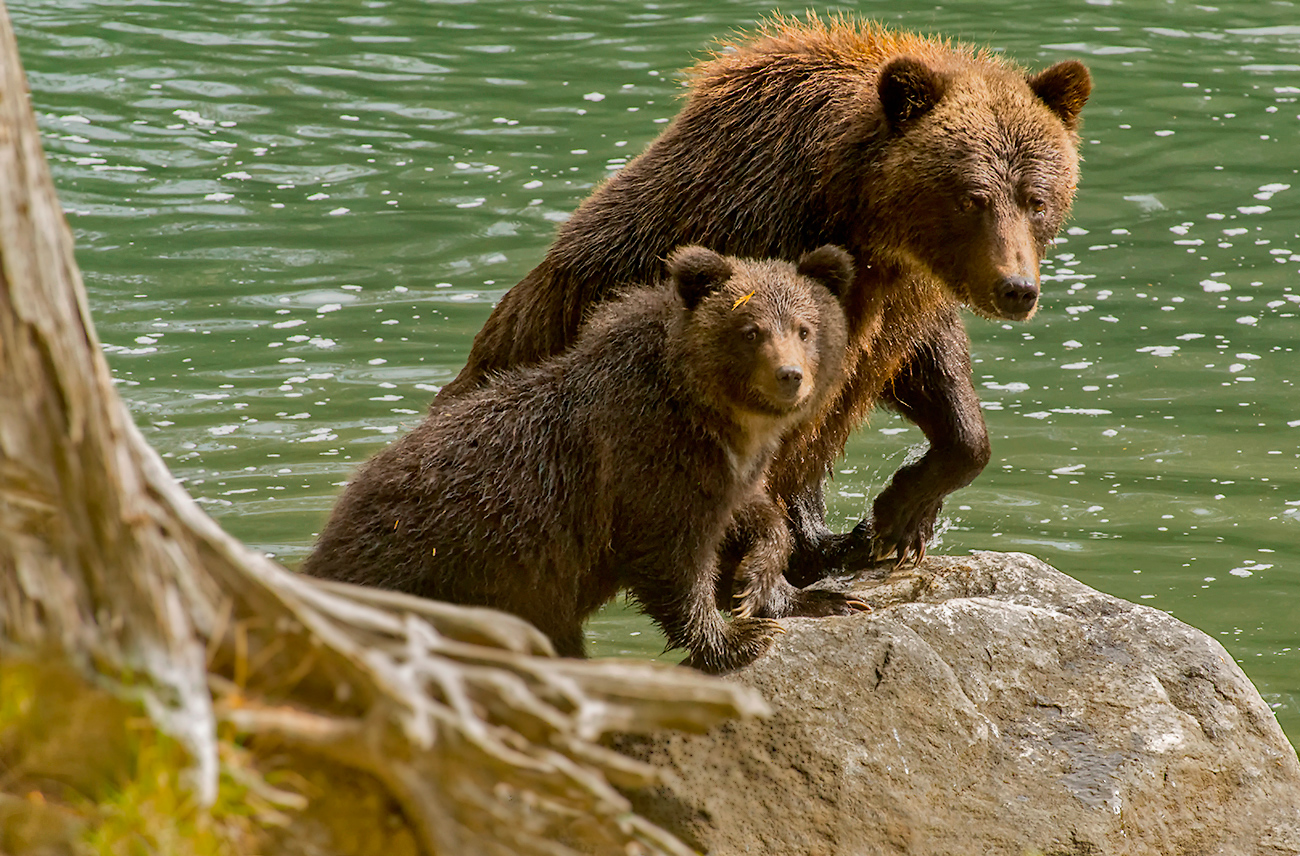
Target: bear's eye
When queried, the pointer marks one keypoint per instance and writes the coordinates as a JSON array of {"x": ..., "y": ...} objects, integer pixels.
[
  {"x": 1037, "y": 204},
  {"x": 751, "y": 334},
  {"x": 804, "y": 332},
  {"x": 972, "y": 202}
]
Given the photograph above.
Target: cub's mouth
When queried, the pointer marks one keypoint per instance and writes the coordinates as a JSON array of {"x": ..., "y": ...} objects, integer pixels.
[{"x": 780, "y": 398}]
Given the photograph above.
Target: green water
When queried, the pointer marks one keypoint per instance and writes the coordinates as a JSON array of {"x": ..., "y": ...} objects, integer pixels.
[{"x": 292, "y": 216}]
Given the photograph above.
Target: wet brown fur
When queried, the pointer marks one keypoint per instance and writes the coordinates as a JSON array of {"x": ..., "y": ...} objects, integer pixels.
[{"x": 944, "y": 170}]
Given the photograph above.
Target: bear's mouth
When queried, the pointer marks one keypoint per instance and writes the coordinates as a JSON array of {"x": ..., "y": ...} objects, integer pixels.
[
  {"x": 777, "y": 402},
  {"x": 1000, "y": 315}
]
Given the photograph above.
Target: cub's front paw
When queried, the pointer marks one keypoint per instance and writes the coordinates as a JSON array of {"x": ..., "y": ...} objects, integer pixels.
[{"x": 745, "y": 640}]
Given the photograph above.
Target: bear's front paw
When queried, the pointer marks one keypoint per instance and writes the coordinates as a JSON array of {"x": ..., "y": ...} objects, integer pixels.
[
  {"x": 745, "y": 640},
  {"x": 902, "y": 533},
  {"x": 859, "y": 549},
  {"x": 833, "y": 554}
]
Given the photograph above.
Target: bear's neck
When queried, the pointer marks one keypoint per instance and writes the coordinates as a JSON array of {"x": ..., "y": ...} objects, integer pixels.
[{"x": 752, "y": 440}]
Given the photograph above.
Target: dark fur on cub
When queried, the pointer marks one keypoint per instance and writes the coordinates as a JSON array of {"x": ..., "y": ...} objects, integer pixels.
[
  {"x": 620, "y": 463},
  {"x": 943, "y": 170}
]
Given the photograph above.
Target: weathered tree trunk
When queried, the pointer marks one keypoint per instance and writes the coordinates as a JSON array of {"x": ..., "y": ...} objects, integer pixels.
[{"x": 109, "y": 571}]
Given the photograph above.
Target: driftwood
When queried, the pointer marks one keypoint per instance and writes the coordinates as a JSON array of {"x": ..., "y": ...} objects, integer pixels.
[{"x": 110, "y": 571}]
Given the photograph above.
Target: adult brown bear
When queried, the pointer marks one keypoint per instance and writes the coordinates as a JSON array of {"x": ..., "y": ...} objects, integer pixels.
[{"x": 944, "y": 170}]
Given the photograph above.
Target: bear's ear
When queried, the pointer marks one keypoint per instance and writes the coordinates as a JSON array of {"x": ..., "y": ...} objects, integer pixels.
[
  {"x": 829, "y": 265},
  {"x": 1065, "y": 88},
  {"x": 908, "y": 88},
  {"x": 696, "y": 271}
]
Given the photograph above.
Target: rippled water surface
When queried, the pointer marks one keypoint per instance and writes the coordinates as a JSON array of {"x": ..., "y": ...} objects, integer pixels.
[{"x": 293, "y": 216}]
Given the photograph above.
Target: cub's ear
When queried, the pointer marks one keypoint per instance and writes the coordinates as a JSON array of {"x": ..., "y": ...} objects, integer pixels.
[
  {"x": 696, "y": 271},
  {"x": 829, "y": 265},
  {"x": 1065, "y": 88},
  {"x": 908, "y": 89}
]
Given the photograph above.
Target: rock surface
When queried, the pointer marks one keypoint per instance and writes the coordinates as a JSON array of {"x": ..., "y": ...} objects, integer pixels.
[{"x": 989, "y": 705}]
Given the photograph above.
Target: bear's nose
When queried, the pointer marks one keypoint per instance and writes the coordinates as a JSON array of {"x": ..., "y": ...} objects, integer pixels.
[
  {"x": 1017, "y": 296},
  {"x": 788, "y": 379}
]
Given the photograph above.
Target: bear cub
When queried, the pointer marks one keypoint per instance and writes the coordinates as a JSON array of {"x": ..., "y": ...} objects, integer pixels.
[{"x": 628, "y": 461}]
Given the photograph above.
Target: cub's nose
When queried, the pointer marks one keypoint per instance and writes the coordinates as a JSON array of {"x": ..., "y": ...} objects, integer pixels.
[
  {"x": 788, "y": 380},
  {"x": 1017, "y": 296}
]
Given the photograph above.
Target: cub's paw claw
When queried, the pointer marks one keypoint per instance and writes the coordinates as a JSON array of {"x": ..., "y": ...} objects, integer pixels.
[
  {"x": 752, "y": 632},
  {"x": 820, "y": 604},
  {"x": 745, "y": 604}
]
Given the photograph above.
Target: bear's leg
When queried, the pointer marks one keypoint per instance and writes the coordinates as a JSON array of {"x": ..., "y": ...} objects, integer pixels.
[
  {"x": 557, "y": 602},
  {"x": 570, "y": 642},
  {"x": 935, "y": 391},
  {"x": 766, "y": 540}
]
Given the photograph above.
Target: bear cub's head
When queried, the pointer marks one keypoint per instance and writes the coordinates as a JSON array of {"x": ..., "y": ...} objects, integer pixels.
[{"x": 763, "y": 338}]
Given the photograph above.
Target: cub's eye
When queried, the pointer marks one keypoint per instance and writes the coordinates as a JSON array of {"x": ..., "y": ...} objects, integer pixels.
[
  {"x": 751, "y": 334},
  {"x": 1037, "y": 204},
  {"x": 804, "y": 332}
]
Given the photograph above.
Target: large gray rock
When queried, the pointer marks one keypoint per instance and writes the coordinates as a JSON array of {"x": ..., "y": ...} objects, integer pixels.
[{"x": 988, "y": 705}]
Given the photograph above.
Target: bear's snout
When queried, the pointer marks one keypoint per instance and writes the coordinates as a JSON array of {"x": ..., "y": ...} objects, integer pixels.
[
  {"x": 789, "y": 379},
  {"x": 1016, "y": 297}
]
